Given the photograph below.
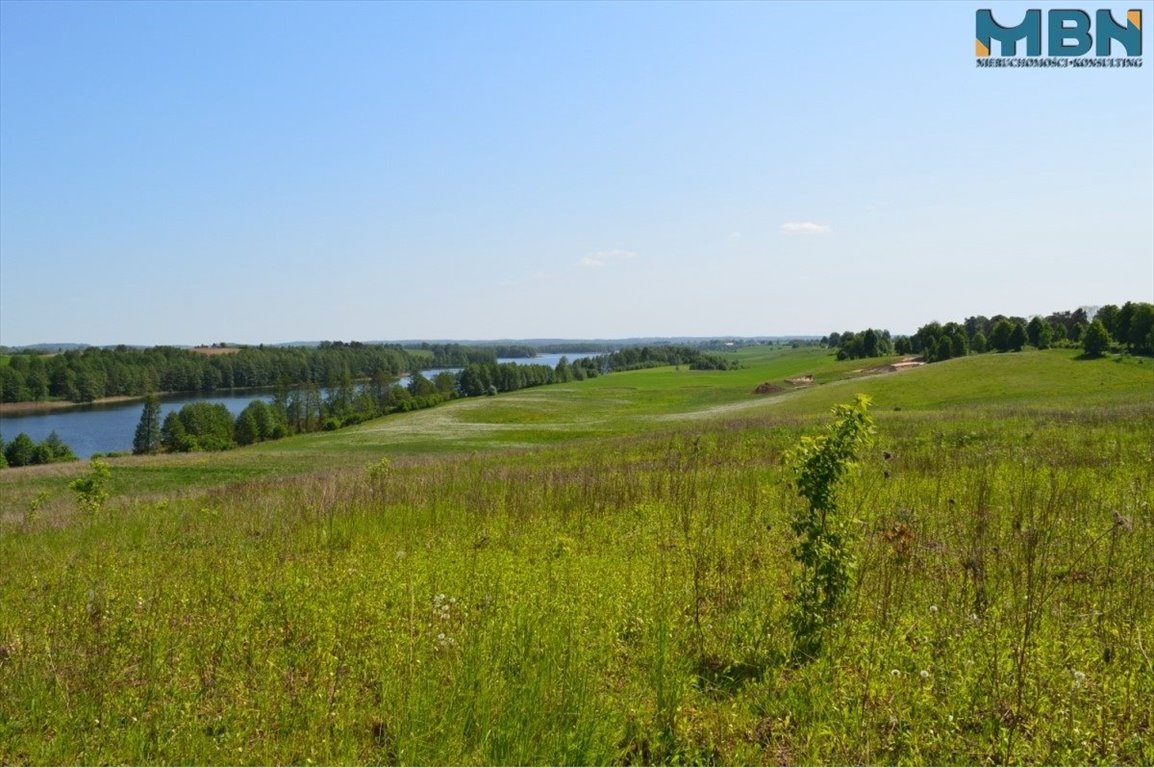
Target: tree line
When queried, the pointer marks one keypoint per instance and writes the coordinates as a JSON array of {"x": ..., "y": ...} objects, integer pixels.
[
  {"x": 457, "y": 356},
  {"x": 650, "y": 356},
  {"x": 1129, "y": 327},
  {"x": 84, "y": 375},
  {"x": 24, "y": 452}
]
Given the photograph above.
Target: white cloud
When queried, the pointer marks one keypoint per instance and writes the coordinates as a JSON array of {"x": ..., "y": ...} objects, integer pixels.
[
  {"x": 599, "y": 259},
  {"x": 805, "y": 228}
]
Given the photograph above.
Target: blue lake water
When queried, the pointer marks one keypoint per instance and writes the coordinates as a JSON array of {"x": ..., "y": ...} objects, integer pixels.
[{"x": 107, "y": 428}]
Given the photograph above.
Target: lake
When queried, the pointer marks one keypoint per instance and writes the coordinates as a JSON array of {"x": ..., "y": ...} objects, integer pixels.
[{"x": 93, "y": 429}]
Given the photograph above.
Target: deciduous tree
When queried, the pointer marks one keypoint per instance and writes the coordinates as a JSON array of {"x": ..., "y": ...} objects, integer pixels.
[
  {"x": 1038, "y": 333},
  {"x": 21, "y": 451},
  {"x": 1000, "y": 337},
  {"x": 1096, "y": 340}
]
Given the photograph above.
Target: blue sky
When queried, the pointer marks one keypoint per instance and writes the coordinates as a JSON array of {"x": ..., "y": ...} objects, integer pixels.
[{"x": 182, "y": 173}]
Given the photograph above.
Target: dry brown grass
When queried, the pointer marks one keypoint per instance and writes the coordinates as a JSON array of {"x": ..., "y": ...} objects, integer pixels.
[{"x": 212, "y": 351}]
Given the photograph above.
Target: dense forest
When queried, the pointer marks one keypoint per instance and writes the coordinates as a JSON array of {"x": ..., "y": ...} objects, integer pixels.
[
  {"x": 1129, "y": 327},
  {"x": 84, "y": 375}
]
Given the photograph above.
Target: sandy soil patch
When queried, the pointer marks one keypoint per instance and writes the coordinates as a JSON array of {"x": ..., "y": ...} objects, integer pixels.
[{"x": 902, "y": 365}]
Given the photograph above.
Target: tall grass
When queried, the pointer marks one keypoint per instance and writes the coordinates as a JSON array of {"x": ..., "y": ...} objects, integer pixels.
[{"x": 615, "y": 602}]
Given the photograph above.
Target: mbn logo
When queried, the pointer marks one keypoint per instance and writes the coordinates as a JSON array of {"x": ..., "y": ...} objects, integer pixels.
[{"x": 1068, "y": 33}]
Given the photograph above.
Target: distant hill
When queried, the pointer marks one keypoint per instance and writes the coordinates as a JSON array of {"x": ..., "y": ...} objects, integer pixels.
[
  {"x": 47, "y": 348},
  {"x": 543, "y": 344},
  {"x": 629, "y": 341}
]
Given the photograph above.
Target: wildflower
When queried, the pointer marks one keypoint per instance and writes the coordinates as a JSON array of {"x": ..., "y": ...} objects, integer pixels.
[
  {"x": 925, "y": 675},
  {"x": 443, "y": 606},
  {"x": 1079, "y": 679},
  {"x": 895, "y": 673},
  {"x": 933, "y": 609}
]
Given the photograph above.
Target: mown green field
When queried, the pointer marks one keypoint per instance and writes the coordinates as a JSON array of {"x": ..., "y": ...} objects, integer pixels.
[{"x": 600, "y": 572}]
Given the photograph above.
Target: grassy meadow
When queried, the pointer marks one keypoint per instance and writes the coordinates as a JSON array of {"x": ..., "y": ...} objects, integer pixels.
[{"x": 600, "y": 573}]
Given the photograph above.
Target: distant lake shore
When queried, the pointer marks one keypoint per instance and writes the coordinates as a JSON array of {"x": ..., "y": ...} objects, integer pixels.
[
  {"x": 25, "y": 407},
  {"x": 44, "y": 406},
  {"x": 107, "y": 424}
]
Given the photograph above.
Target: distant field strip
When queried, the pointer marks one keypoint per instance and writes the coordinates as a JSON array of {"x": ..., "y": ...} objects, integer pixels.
[
  {"x": 610, "y": 405},
  {"x": 632, "y": 403},
  {"x": 474, "y": 416}
]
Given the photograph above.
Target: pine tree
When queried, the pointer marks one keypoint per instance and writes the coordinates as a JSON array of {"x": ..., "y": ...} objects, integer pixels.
[{"x": 147, "y": 437}]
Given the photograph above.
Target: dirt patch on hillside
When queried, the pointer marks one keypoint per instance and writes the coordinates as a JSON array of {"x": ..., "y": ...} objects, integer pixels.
[
  {"x": 902, "y": 365},
  {"x": 801, "y": 381},
  {"x": 768, "y": 388}
]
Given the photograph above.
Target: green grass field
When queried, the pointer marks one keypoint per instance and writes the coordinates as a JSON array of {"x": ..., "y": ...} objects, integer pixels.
[{"x": 600, "y": 572}]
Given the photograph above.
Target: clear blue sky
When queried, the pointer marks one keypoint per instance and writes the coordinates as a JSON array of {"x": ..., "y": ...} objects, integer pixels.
[{"x": 193, "y": 172}]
